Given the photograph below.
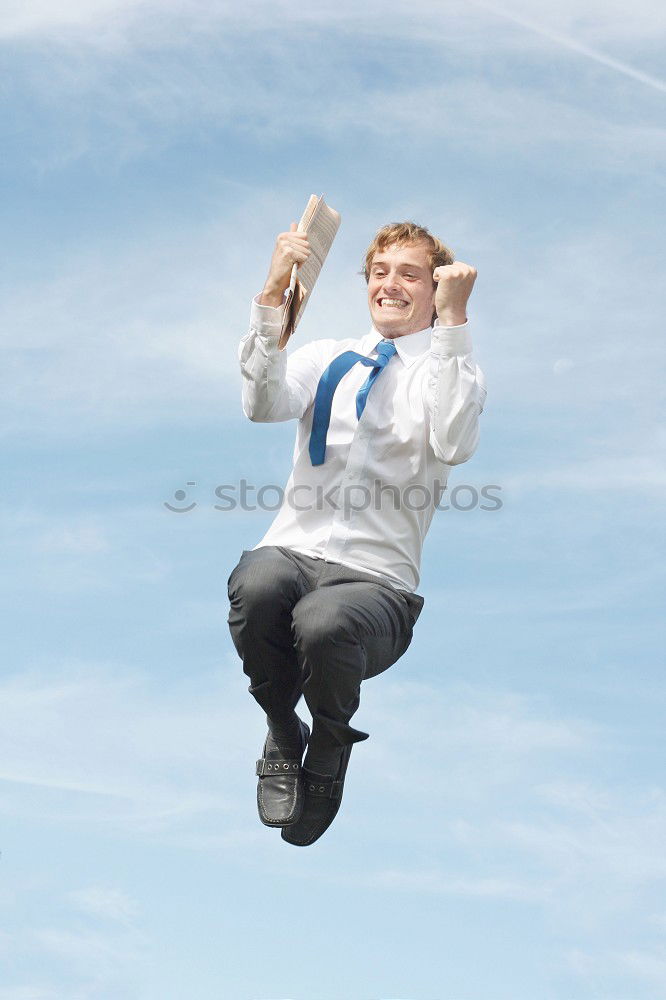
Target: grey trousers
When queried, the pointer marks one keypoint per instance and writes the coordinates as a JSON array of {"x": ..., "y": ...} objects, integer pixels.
[{"x": 304, "y": 626}]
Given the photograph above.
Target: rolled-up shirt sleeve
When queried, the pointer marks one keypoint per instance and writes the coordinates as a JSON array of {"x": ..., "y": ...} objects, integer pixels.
[
  {"x": 456, "y": 394},
  {"x": 276, "y": 386}
]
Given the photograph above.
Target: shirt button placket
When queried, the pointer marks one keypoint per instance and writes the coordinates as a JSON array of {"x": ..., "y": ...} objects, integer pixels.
[{"x": 344, "y": 517}]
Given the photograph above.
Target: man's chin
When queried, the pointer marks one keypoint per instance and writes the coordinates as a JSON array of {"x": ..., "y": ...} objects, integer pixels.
[
  {"x": 395, "y": 326},
  {"x": 388, "y": 324}
]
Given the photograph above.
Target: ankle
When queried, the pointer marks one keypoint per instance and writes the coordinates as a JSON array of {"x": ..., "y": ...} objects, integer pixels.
[
  {"x": 286, "y": 732},
  {"x": 324, "y": 762}
]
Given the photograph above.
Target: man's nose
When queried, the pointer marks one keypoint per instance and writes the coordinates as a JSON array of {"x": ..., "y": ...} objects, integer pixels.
[{"x": 391, "y": 282}]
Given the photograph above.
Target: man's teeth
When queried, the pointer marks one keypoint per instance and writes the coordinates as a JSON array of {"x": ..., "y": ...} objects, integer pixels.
[{"x": 392, "y": 302}]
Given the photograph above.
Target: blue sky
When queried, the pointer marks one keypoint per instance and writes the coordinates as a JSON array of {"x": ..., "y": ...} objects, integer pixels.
[{"x": 502, "y": 832}]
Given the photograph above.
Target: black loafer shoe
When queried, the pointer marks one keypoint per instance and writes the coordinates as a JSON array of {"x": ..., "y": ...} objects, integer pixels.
[
  {"x": 280, "y": 786},
  {"x": 322, "y": 798}
]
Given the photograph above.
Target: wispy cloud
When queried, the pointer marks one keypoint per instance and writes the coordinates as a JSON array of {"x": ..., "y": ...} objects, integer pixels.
[
  {"x": 642, "y": 474},
  {"x": 609, "y": 969},
  {"x": 574, "y": 45},
  {"x": 102, "y": 20},
  {"x": 493, "y": 735},
  {"x": 101, "y": 747},
  {"x": 29, "y": 993},
  {"x": 525, "y": 812},
  {"x": 143, "y": 103},
  {"x": 91, "y": 949},
  {"x": 440, "y": 883},
  {"x": 527, "y": 819},
  {"x": 104, "y": 902},
  {"x": 153, "y": 329},
  {"x": 142, "y": 91}
]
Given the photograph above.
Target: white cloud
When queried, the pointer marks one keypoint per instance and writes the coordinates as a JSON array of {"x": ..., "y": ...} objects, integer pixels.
[
  {"x": 77, "y": 551},
  {"x": 99, "y": 745},
  {"x": 144, "y": 103},
  {"x": 42, "y": 19},
  {"x": 574, "y": 44},
  {"x": 621, "y": 842},
  {"x": 594, "y": 20},
  {"x": 625, "y": 465},
  {"x": 511, "y": 786},
  {"x": 153, "y": 329},
  {"x": 87, "y": 963},
  {"x": 441, "y": 883},
  {"x": 482, "y": 738},
  {"x": 78, "y": 538},
  {"x": 606, "y": 969},
  {"x": 105, "y": 902},
  {"x": 86, "y": 950},
  {"x": 527, "y": 809},
  {"x": 29, "y": 993},
  {"x": 562, "y": 365},
  {"x": 156, "y": 69},
  {"x": 93, "y": 950}
]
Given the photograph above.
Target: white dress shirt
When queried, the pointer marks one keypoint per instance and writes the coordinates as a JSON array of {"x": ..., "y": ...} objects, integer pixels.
[{"x": 361, "y": 507}]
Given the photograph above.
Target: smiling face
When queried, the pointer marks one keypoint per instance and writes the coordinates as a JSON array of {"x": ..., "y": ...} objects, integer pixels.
[{"x": 401, "y": 290}]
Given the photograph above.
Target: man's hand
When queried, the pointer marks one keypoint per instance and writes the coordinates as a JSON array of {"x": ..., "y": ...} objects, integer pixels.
[
  {"x": 290, "y": 248},
  {"x": 454, "y": 287}
]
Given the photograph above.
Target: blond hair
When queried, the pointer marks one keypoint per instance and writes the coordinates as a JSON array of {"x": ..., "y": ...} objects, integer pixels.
[{"x": 404, "y": 233}]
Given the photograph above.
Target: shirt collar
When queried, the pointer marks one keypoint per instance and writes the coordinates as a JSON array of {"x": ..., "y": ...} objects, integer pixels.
[{"x": 409, "y": 347}]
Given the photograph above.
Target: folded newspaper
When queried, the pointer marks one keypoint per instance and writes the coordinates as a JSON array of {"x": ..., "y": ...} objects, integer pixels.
[{"x": 321, "y": 223}]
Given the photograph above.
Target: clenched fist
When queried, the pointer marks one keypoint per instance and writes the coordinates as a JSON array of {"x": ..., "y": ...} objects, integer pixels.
[
  {"x": 290, "y": 248},
  {"x": 454, "y": 287}
]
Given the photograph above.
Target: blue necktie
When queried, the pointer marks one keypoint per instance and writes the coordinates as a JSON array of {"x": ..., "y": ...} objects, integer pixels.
[{"x": 328, "y": 383}]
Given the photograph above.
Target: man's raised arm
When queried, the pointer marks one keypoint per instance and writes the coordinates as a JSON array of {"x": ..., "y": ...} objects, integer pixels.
[
  {"x": 456, "y": 385},
  {"x": 274, "y": 388}
]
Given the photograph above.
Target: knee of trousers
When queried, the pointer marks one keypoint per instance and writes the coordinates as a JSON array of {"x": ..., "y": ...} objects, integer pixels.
[
  {"x": 332, "y": 659},
  {"x": 256, "y": 598},
  {"x": 315, "y": 627}
]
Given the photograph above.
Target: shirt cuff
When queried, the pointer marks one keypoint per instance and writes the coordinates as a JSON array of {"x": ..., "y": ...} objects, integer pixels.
[
  {"x": 266, "y": 320},
  {"x": 451, "y": 339}
]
